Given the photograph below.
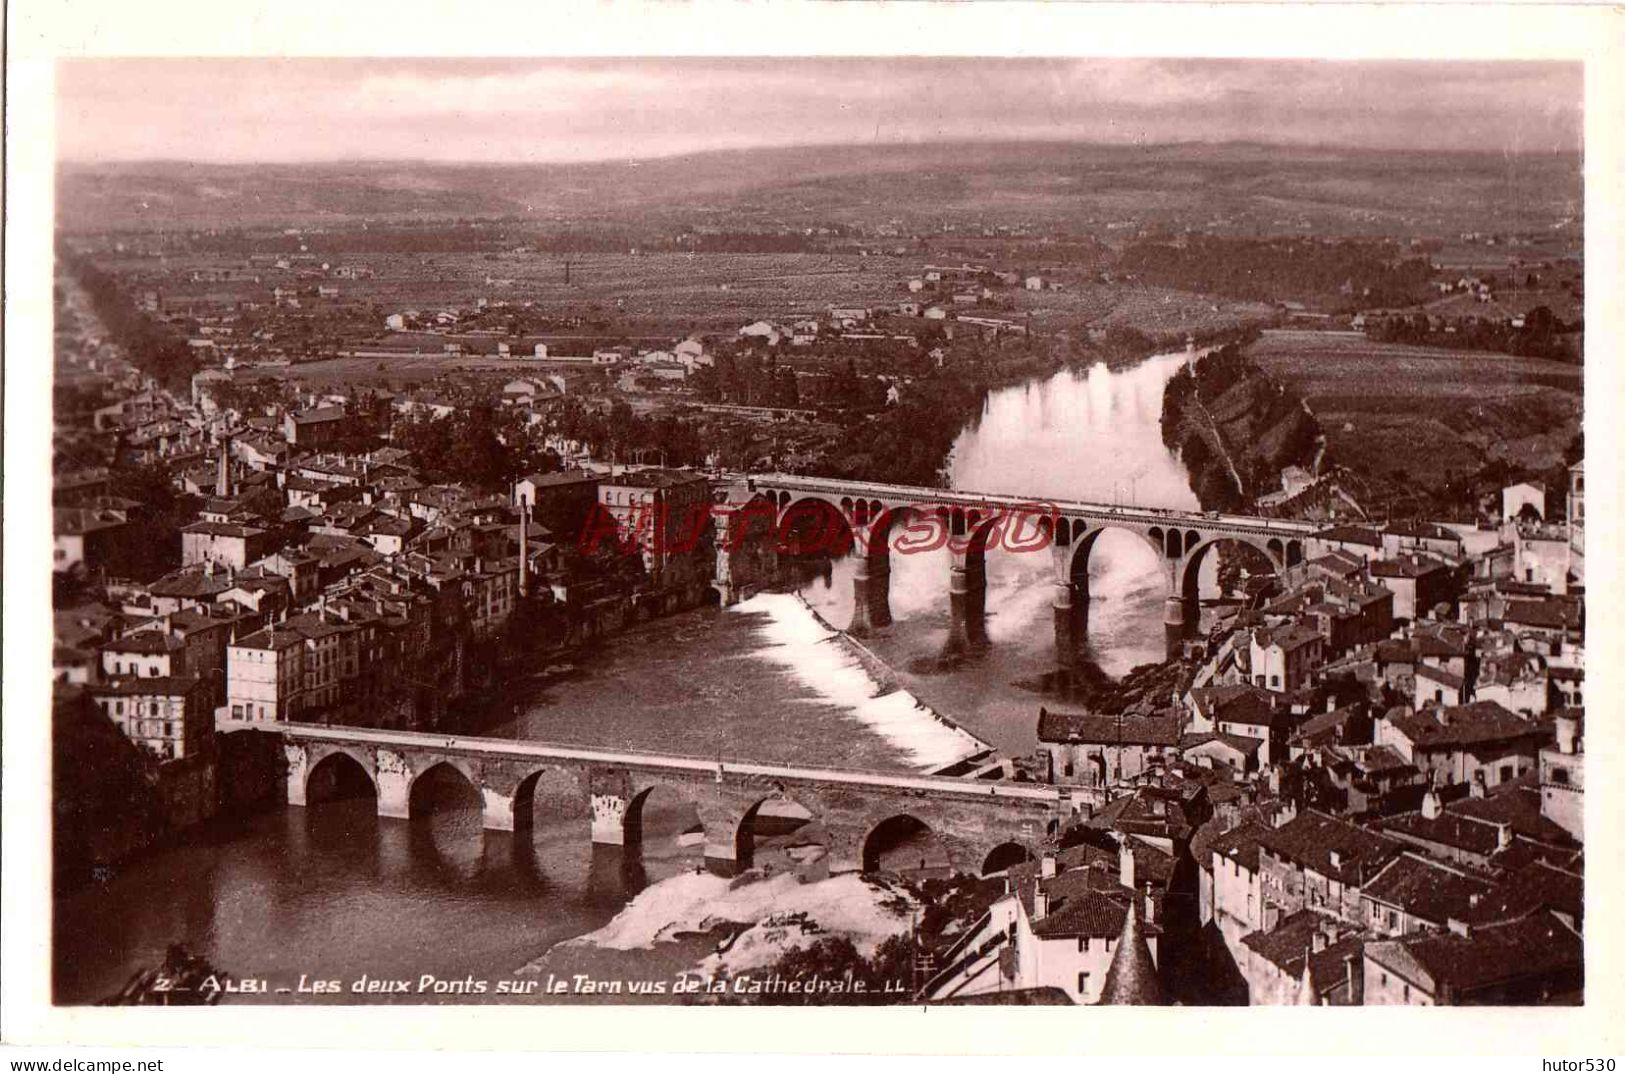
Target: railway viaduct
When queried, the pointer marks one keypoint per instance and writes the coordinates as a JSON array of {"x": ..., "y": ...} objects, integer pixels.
[{"x": 876, "y": 521}]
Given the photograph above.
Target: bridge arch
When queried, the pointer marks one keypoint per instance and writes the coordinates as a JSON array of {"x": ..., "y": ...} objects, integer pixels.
[
  {"x": 678, "y": 815},
  {"x": 336, "y": 774},
  {"x": 793, "y": 817},
  {"x": 449, "y": 778},
  {"x": 815, "y": 524},
  {"x": 904, "y": 832},
  {"x": 1270, "y": 552},
  {"x": 1084, "y": 539},
  {"x": 545, "y": 785},
  {"x": 1005, "y": 855}
]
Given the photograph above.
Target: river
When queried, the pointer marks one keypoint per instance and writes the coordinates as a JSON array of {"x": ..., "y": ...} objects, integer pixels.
[{"x": 333, "y": 892}]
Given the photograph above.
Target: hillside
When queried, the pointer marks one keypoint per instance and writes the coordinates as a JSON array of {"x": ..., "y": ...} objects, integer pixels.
[{"x": 1249, "y": 188}]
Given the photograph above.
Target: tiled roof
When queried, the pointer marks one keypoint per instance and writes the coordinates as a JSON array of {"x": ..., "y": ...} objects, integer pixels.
[
  {"x": 1351, "y": 535},
  {"x": 1091, "y": 728},
  {"x": 1241, "y": 845},
  {"x": 1314, "y": 839},
  {"x": 1412, "y": 566},
  {"x": 152, "y": 642},
  {"x": 1293, "y": 937},
  {"x": 1461, "y": 726},
  {"x": 1490, "y": 955},
  {"x": 1549, "y": 614},
  {"x": 1427, "y": 889}
]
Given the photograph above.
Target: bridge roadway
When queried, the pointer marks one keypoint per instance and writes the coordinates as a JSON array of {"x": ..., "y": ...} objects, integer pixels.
[
  {"x": 855, "y": 811},
  {"x": 1106, "y": 514},
  {"x": 477, "y": 746}
]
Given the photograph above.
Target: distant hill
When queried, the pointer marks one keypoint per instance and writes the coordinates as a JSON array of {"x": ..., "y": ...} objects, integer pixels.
[{"x": 1274, "y": 188}]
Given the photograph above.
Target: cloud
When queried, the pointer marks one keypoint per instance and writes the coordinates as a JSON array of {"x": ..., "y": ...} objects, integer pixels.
[{"x": 275, "y": 110}]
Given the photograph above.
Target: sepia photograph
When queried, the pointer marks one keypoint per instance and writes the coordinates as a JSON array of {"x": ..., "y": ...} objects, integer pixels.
[{"x": 764, "y": 531}]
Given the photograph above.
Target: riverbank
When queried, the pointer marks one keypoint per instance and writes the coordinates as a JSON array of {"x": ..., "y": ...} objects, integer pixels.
[
  {"x": 1236, "y": 429},
  {"x": 697, "y": 925}
]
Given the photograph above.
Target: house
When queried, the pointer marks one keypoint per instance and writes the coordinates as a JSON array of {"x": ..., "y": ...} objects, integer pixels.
[
  {"x": 265, "y": 675},
  {"x": 1542, "y": 555},
  {"x": 1436, "y": 686},
  {"x": 560, "y": 502},
  {"x": 1534, "y": 960},
  {"x": 1308, "y": 959},
  {"x": 1418, "y": 582},
  {"x": 87, "y": 538},
  {"x": 1243, "y": 711},
  {"x": 666, "y": 514},
  {"x": 228, "y": 544},
  {"x": 1562, "y": 775},
  {"x": 1320, "y": 862},
  {"x": 315, "y": 428},
  {"x": 1413, "y": 893},
  {"x": 1100, "y": 750},
  {"x": 170, "y": 717},
  {"x": 1525, "y": 500},
  {"x": 1463, "y": 743},
  {"x": 144, "y": 654},
  {"x": 1491, "y": 827},
  {"x": 1399, "y": 538},
  {"x": 1075, "y": 920},
  {"x": 1283, "y": 658},
  {"x": 1359, "y": 541},
  {"x": 1231, "y": 881}
]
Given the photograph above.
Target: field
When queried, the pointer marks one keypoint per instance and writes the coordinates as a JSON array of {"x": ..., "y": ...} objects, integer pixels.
[{"x": 1390, "y": 409}]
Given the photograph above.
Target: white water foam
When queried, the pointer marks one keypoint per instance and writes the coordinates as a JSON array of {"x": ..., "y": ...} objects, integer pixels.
[
  {"x": 812, "y": 652},
  {"x": 864, "y": 910}
]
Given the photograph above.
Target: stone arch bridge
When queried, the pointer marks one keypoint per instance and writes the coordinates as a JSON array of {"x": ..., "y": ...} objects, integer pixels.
[
  {"x": 882, "y": 520},
  {"x": 976, "y": 821}
]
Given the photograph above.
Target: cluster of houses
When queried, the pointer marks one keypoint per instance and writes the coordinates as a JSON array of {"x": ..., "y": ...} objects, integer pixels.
[
  {"x": 320, "y": 576},
  {"x": 1366, "y": 788}
]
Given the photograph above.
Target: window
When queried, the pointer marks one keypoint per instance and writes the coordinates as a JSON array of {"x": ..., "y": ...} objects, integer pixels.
[
  {"x": 1275, "y": 680},
  {"x": 236, "y": 712},
  {"x": 152, "y": 672},
  {"x": 169, "y": 729},
  {"x": 1506, "y": 772},
  {"x": 1083, "y": 984},
  {"x": 118, "y": 667},
  {"x": 1407, "y": 993}
]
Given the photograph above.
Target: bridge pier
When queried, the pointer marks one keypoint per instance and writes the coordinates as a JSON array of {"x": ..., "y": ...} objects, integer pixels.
[
  {"x": 298, "y": 772},
  {"x": 967, "y": 604},
  {"x": 871, "y": 594},
  {"x": 497, "y": 811},
  {"x": 1070, "y": 604},
  {"x": 394, "y": 785},
  {"x": 609, "y": 820},
  {"x": 1180, "y": 618}
]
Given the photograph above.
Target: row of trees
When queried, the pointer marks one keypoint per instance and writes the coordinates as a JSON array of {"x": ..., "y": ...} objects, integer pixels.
[
  {"x": 1270, "y": 269},
  {"x": 1542, "y": 334},
  {"x": 154, "y": 347}
]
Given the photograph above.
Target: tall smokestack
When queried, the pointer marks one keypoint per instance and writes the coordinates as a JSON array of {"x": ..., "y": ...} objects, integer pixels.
[
  {"x": 222, "y": 480},
  {"x": 524, "y": 546}
]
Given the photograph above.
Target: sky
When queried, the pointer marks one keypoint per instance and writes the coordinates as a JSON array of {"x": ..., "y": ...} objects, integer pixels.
[{"x": 519, "y": 111}]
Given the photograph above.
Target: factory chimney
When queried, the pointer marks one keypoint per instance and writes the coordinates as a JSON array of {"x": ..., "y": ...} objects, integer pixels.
[{"x": 524, "y": 546}]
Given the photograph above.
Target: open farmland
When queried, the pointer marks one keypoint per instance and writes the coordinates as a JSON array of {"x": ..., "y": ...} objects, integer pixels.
[{"x": 1389, "y": 409}]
